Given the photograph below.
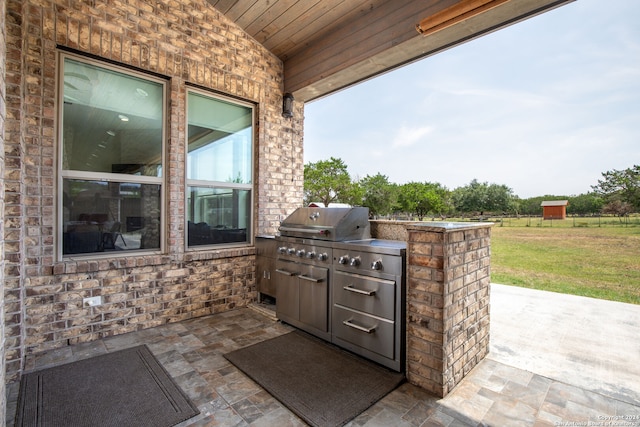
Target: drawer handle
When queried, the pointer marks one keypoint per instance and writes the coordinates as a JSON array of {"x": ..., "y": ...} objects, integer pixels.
[
  {"x": 358, "y": 327},
  {"x": 285, "y": 272},
  {"x": 350, "y": 288},
  {"x": 309, "y": 278}
]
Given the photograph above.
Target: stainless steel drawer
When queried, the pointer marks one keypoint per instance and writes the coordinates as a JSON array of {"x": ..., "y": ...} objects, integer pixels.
[
  {"x": 372, "y": 333},
  {"x": 364, "y": 293}
]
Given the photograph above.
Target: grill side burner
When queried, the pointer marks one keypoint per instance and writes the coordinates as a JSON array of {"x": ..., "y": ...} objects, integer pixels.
[{"x": 335, "y": 282}]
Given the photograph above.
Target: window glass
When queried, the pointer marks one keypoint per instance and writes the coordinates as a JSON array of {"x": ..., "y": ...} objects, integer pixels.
[
  {"x": 219, "y": 171},
  {"x": 220, "y": 135},
  {"x": 110, "y": 216},
  {"x": 111, "y": 162},
  {"x": 112, "y": 122},
  {"x": 218, "y": 215}
]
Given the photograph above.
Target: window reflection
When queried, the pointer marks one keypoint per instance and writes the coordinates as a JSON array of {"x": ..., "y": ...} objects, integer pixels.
[
  {"x": 218, "y": 216},
  {"x": 112, "y": 122},
  {"x": 101, "y": 216},
  {"x": 220, "y": 135}
]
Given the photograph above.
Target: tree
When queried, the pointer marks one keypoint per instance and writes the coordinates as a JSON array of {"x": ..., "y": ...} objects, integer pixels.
[
  {"x": 422, "y": 198},
  {"x": 327, "y": 181},
  {"x": 353, "y": 195},
  {"x": 483, "y": 197},
  {"x": 470, "y": 198},
  {"x": 531, "y": 206},
  {"x": 379, "y": 195},
  {"x": 617, "y": 208},
  {"x": 500, "y": 198},
  {"x": 622, "y": 186},
  {"x": 585, "y": 204}
]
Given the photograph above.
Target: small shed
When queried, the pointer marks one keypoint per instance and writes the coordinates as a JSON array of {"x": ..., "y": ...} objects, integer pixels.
[{"x": 554, "y": 209}]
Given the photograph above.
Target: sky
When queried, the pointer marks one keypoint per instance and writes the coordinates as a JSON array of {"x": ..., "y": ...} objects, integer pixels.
[{"x": 544, "y": 107}]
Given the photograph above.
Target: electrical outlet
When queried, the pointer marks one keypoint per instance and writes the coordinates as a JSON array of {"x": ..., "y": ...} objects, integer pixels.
[{"x": 92, "y": 302}]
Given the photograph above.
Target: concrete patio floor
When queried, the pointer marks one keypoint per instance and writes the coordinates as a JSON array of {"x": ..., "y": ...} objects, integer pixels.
[
  {"x": 589, "y": 343},
  {"x": 555, "y": 360}
]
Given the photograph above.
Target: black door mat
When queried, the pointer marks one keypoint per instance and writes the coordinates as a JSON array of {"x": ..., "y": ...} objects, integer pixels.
[
  {"x": 319, "y": 382},
  {"x": 124, "y": 388}
]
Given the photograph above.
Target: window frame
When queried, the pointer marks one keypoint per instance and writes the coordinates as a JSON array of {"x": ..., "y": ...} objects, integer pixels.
[
  {"x": 62, "y": 174},
  {"x": 198, "y": 183}
]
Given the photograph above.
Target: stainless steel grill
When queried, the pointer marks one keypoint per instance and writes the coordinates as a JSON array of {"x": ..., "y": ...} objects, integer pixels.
[
  {"x": 332, "y": 224},
  {"x": 336, "y": 282}
]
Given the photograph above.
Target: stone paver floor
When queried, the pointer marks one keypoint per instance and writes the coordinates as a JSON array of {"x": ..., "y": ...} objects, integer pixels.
[{"x": 493, "y": 394}]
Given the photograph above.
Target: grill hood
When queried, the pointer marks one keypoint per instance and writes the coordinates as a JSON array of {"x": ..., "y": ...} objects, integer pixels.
[{"x": 334, "y": 224}]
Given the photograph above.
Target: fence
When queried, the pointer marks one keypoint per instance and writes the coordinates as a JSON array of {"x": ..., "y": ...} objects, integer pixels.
[{"x": 570, "y": 221}]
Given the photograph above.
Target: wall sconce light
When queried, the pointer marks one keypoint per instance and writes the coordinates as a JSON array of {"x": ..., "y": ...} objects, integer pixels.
[{"x": 287, "y": 105}]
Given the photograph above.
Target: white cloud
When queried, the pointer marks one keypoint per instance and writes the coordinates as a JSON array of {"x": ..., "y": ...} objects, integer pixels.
[{"x": 408, "y": 136}]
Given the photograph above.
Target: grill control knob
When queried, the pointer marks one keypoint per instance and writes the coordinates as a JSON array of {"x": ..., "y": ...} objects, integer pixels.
[
  {"x": 311, "y": 255},
  {"x": 300, "y": 253},
  {"x": 282, "y": 250},
  {"x": 376, "y": 265},
  {"x": 291, "y": 251},
  {"x": 323, "y": 256},
  {"x": 344, "y": 259},
  {"x": 355, "y": 262}
]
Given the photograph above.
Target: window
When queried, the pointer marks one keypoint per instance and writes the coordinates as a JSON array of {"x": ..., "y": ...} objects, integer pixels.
[
  {"x": 219, "y": 170},
  {"x": 112, "y": 143}
]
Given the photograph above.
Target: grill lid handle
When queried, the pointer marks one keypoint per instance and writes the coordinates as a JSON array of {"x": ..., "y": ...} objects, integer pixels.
[{"x": 322, "y": 232}]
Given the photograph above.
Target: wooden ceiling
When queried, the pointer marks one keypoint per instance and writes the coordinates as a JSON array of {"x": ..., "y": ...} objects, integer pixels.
[{"x": 328, "y": 45}]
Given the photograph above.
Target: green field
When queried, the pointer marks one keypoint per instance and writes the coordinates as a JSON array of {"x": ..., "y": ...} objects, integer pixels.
[{"x": 583, "y": 257}]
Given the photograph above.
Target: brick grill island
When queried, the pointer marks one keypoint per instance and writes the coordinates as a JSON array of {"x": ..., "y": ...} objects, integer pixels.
[{"x": 448, "y": 283}]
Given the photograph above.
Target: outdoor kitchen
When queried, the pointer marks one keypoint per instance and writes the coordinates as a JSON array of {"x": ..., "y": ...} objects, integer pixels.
[
  {"x": 413, "y": 297},
  {"x": 336, "y": 282}
]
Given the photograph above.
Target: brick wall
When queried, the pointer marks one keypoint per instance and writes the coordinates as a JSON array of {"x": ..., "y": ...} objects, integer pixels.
[
  {"x": 448, "y": 283},
  {"x": 189, "y": 42},
  {"x": 3, "y": 403}
]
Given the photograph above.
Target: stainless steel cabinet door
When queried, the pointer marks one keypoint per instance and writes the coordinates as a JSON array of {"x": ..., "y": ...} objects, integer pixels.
[
  {"x": 287, "y": 290},
  {"x": 314, "y": 297},
  {"x": 266, "y": 278}
]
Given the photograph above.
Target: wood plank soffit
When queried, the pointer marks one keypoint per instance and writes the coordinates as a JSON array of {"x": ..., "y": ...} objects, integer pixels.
[{"x": 341, "y": 61}]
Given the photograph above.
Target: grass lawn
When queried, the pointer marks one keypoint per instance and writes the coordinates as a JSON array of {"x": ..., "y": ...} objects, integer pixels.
[{"x": 587, "y": 260}]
